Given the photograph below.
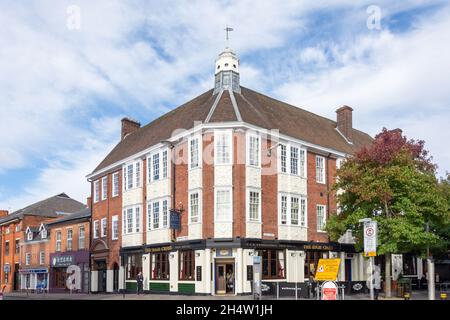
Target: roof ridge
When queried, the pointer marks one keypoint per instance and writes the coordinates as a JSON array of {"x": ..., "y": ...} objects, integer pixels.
[
  {"x": 235, "y": 105},
  {"x": 214, "y": 106}
]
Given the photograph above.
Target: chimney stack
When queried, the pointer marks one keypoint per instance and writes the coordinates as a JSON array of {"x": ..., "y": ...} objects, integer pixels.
[
  {"x": 129, "y": 126},
  {"x": 3, "y": 213},
  {"x": 344, "y": 122}
]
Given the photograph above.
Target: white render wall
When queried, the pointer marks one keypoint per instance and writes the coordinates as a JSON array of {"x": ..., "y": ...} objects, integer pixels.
[
  {"x": 132, "y": 197},
  {"x": 159, "y": 236},
  {"x": 158, "y": 189},
  {"x": 110, "y": 280},
  {"x": 286, "y": 232},
  {"x": 223, "y": 177}
]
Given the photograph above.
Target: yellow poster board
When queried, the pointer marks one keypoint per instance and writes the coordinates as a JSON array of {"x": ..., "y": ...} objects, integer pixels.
[{"x": 327, "y": 269}]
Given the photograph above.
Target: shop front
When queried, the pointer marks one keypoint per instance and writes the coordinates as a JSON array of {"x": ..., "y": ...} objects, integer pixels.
[
  {"x": 69, "y": 268},
  {"x": 34, "y": 279}
]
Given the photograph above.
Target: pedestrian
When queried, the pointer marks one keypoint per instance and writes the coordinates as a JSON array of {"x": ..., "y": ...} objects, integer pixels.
[
  {"x": 139, "y": 282},
  {"x": 374, "y": 281}
]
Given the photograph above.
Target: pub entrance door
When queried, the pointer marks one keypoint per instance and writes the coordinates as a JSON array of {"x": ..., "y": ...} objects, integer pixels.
[
  {"x": 101, "y": 268},
  {"x": 225, "y": 279}
]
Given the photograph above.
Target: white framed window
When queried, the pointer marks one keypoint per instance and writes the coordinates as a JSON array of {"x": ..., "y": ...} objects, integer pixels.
[
  {"x": 194, "y": 153},
  {"x": 129, "y": 224},
  {"x": 292, "y": 210},
  {"x": 69, "y": 239},
  {"x": 165, "y": 213},
  {"x": 30, "y": 236},
  {"x": 253, "y": 150},
  {"x": 105, "y": 188},
  {"x": 129, "y": 175},
  {"x": 115, "y": 227},
  {"x": 155, "y": 167},
  {"x": 283, "y": 209},
  {"x": 96, "y": 229},
  {"x": 137, "y": 166},
  {"x": 164, "y": 164},
  {"x": 58, "y": 241},
  {"x": 223, "y": 147},
  {"x": 194, "y": 207},
  {"x": 294, "y": 160},
  {"x": 149, "y": 216},
  {"x": 42, "y": 258},
  {"x": 155, "y": 221},
  {"x": 254, "y": 205},
  {"x": 303, "y": 163},
  {"x": 115, "y": 184},
  {"x": 43, "y": 234},
  {"x": 283, "y": 158},
  {"x": 223, "y": 205},
  {"x": 27, "y": 258},
  {"x": 104, "y": 227},
  {"x": 320, "y": 169},
  {"x": 321, "y": 217},
  {"x": 96, "y": 191},
  {"x": 81, "y": 237},
  {"x": 137, "y": 219}
]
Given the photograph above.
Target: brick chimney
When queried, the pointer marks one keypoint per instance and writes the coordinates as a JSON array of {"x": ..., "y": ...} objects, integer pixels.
[
  {"x": 129, "y": 126},
  {"x": 344, "y": 122},
  {"x": 3, "y": 213}
]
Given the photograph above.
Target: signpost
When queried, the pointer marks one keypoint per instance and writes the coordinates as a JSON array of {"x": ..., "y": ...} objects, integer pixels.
[{"x": 370, "y": 248}]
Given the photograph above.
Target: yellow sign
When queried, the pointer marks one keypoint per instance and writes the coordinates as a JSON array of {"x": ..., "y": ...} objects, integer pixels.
[
  {"x": 327, "y": 269},
  {"x": 370, "y": 254}
]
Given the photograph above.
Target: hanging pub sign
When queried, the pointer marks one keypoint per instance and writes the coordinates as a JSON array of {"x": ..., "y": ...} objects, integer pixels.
[{"x": 175, "y": 220}]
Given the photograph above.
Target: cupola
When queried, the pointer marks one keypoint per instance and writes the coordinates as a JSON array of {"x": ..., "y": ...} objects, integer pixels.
[{"x": 227, "y": 72}]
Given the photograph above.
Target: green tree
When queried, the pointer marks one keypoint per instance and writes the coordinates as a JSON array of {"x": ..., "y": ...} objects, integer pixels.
[{"x": 392, "y": 181}]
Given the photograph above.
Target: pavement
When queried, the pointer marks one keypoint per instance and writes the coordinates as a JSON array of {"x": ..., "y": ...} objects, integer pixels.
[{"x": 416, "y": 295}]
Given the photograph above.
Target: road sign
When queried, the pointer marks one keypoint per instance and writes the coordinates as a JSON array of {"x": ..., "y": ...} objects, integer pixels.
[
  {"x": 327, "y": 269},
  {"x": 370, "y": 238},
  {"x": 329, "y": 291}
]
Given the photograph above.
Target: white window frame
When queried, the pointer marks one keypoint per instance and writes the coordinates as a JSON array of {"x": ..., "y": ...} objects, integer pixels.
[
  {"x": 115, "y": 227},
  {"x": 41, "y": 258},
  {"x": 69, "y": 231},
  {"x": 27, "y": 259},
  {"x": 103, "y": 227},
  {"x": 136, "y": 175},
  {"x": 43, "y": 233},
  {"x": 230, "y": 214},
  {"x": 255, "y": 190},
  {"x": 136, "y": 221},
  {"x": 192, "y": 165},
  {"x": 165, "y": 164},
  {"x": 324, "y": 216},
  {"x": 105, "y": 188},
  {"x": 81, "y": 239},
  {"x": 250, "y": 136},
  {"x": 323, "y": 172},
  {"x": 302, "y": 161},
  {"x": 162, "y": 165},
  {"x": 58, "y": 241},
  {"x": 30, "y": 235},
  {"x": 301, "y": 213},
  {"x": 95, "y": 226},
  {"x": 229, "y": 137},
  {"x": 115, "y": 188},
  {"x": 199, "y": 206},
  {"x": 96, "y": 191}
]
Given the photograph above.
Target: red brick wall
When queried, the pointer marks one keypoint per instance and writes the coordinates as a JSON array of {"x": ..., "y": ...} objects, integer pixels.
[
  {"x": 239, "y": 190},
  {"x": 107, "y": 209},
  {"x": 181, "y": 187},
  {"x": 319, "y": 194},
  {"x": 208, "y": 186},
  {"x": 269, "y": 188}
]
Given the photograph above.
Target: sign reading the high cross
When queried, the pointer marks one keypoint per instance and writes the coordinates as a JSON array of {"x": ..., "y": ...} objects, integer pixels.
[
  {"x": 327, "y": 269},
  {"x": 370, "y": 239}
]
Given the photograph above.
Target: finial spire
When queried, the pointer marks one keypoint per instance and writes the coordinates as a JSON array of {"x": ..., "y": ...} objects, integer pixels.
[{"x": 228, "y": 30}]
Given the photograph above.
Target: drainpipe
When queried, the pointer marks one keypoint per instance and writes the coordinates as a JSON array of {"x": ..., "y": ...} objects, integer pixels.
[{"x": 90, "y": 240}]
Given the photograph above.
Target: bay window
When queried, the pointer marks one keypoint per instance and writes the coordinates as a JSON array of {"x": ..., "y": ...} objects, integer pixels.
[
  {"x": 253, "y": 150},
  {"x": 194, "y": 153},
  {"x": 292, "y": 210}
]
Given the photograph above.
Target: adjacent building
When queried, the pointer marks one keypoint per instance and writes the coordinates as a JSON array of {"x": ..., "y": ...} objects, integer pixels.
[
  {"x": 192, "y": 197},
  {"x": 26, "y": 228}
]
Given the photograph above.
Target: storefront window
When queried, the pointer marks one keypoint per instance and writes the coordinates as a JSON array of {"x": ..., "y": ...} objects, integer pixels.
[
  {"x": 160, "y": 266},
  {"x": 187, "y": 265},
  {"x": 134, "y": 266},
  {"x": 273, "y": 264}
]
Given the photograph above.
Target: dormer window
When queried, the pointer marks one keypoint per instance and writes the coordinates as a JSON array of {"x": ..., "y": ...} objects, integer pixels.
[{"x": 44, "y": 234}]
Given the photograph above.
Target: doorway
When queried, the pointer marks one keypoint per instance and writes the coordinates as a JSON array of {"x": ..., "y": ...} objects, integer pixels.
[
  {"x": 348, "y": 269},
  {"x": 101, "y": 280},
  {"x": 116, "y": 277},
  {"x": 225, "y": 279},
  {"x": 16, "y": 279}
]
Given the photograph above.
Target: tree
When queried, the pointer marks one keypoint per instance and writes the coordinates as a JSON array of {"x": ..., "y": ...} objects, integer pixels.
[{"x": 392, "y": 181}]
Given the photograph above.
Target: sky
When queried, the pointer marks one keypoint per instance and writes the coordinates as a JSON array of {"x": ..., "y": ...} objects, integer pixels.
[{"x": 70, "y": 70}]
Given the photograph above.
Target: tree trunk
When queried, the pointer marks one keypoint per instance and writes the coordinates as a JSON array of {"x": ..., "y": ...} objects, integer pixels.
[{"x": 388, "y": 293}]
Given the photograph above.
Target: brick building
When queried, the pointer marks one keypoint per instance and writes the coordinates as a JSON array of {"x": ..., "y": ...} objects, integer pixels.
[
  {"x": 192, "y": 197},
  {"x": 12, "y": 236}
]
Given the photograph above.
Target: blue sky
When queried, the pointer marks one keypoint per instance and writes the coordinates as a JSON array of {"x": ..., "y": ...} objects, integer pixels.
[{"x": 63, "y": 92}]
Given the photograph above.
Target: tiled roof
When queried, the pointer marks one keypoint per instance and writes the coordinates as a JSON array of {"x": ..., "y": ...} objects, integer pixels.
[
  {"x": 253, "y": 107},
  {"x": 80, "y": 215},
  {"x": 52, "y": 207}
]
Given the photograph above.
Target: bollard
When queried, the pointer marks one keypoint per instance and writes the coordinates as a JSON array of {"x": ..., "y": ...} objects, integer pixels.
[{"x": 443, "y": 296}]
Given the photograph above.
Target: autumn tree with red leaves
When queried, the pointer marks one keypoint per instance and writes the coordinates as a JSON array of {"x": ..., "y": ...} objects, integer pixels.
[{"x": 392, "y": 181}]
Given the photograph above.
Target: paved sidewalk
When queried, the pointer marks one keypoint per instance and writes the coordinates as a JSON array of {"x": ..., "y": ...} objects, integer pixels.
[{"x": 416, "y": 295}]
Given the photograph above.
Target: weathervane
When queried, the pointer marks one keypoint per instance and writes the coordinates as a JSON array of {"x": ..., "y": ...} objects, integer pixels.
[{"x": 228, "y": 30}]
